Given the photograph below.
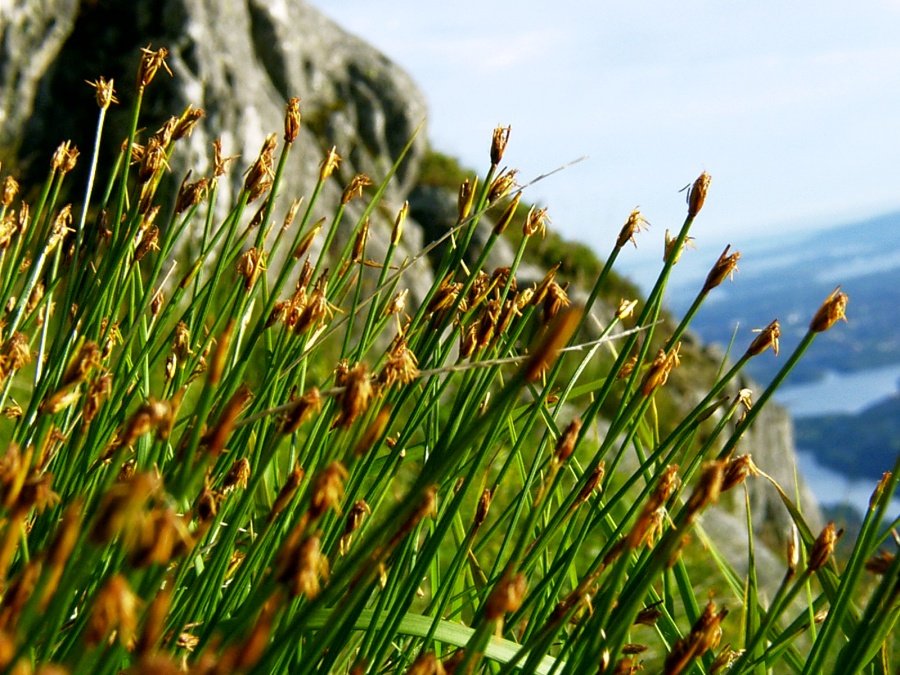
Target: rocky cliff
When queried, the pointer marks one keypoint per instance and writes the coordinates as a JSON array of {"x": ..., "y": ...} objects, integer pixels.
[{"x": 240, "y": 60}]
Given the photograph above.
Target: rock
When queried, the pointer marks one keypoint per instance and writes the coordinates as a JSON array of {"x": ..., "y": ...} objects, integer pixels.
[{"x": 241, "y": 62}]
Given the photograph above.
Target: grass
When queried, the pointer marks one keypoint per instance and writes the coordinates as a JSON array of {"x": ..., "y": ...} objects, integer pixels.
[{"x": 265, "y": 459}]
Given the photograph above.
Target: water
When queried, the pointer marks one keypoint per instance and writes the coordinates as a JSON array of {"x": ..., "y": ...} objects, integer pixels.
[
  {"x": 848, "y": 393},
  {"x": 834, "y": 489}
]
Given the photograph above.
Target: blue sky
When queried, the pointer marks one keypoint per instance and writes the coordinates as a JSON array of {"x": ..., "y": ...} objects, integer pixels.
[{"x": 794, "y": 108}]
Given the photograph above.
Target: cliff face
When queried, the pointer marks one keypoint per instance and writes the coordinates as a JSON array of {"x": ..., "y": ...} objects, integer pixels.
[{"x": 240, "y": 60}]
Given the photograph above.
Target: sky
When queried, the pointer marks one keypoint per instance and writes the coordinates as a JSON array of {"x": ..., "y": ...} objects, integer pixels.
[{"x": 793, "y": 108}]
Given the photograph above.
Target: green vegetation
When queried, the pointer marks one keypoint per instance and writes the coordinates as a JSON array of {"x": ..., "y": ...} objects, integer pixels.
[{"x": 265, "y": 459}]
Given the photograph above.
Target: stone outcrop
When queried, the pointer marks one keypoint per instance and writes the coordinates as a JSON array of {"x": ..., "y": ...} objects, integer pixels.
[{"x": 240, "y": 62}]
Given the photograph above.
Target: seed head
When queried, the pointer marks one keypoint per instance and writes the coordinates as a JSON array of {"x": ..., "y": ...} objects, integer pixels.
[
  {"x": 220, "y": 163},
  {"x": 10, "y": 190},
  {"x": 823, "y": 547},
  {"x": 626, "y": 309},
  {"x": 555, "y": 301},
  {"x": 251, "y": 265},
  {"x": 556, "y": 337},
  {"x": 880, "y": 563},
  {"x": 536, "y": 222},
  {"x": 662, "y": 365},
  {"x": 329, "y": 164},
  {"x": 260, "y": 175},
  {"x": 401, "y": 365},
  {"x": 708, "y": 488},
  {"x": 237, "y": 476},
  {"x": 507, "y": 596},
  {"x": 737, "y": 470},
  {"x": 502, "y": 185},
  {"x": 498, "y": 144},
  {"x": 565, "y": 446},
  {"x": 635, "y": 223},
  {"x": 831, "y": 311},
  {"x": 697, "y": 194},
  {"x": 292, "y": 120},
  {"x": 191, "y": 194},
  {"x": 104, "y": 92},
  {"x": 793, "y": 550},
  {"x": 355, "y": 188},
  {"x": 186, "y": 123},
  {"x": 115, "y": 608},
  {"x": 354, "y": 400},
  {"x": 670, "y": 251},
  {"x": 303, "y": 408},
  {"x": 768, "y": 337},
  {"x": 725, "y": 266},
  {"x": 150, "y": 63},
  {"x": 307, "y": 240}
]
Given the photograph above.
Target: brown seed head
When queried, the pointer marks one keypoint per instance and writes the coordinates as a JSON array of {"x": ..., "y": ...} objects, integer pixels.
[
  {"x": 186, "y": 123},
  {"x": 354, "y": 400},
  {"x": 536, "y": 222},
  {"x": 359, "y": 243},
  {"x": 287, "y": 492},
  {"x": 484, "y": 506},
  {"x": 831, "y": 311},
  {"x": 303, "y": 408},
  {"x": 635, "y": 223},
  {"x": 708, "y": 487},
  {"x": 737, "y": 470},
  {"x": 662, "y": 365},
  {"x": 768, "y": 337},
  {"x": 823, "y": 547},
  {"x": 104, "y": 92},
  {"x": 502, "y": 185},
  {"x": 292, "y": 120},
  {"x": 329, "y": 164},
  {"x": 697, "y": 194},
  {"x": 150, "y": 63},
  {"x": 880, "y": 563},
  {"x": 670, "y": 252},
  {"x": 792, "y": 548},
  {"x": 115, "y": 607},
  {"x": 328, "y": 490},
  {"x": 498, "y": 144},
  {"x": 153, "y": 161},
  {"x": 565, "y": 446},
  {"x": 8, "y": 229},
  {"x": 10, "y": 190},
  {"x": 506, "y": 596},
  {"x": 251, "y": 265},
  {"x": 555, "y": 301},
  {"x": 302, "y": 565},
  {"x": 220, "y": 162},
  {"x": 354, "y": 189},
  {"x": 291, "y": 213},
  {"x": 401, "y": 365},
  {"x": 725, "y": 267},
  {"x": 191, "y": 194},
  {"x": 260, "y": 175},
  {"x": 237, "y": 476}
]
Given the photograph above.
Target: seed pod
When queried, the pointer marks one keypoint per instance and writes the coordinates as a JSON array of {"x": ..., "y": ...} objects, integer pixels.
[
  {"x": 292, "y": 120},
  {"x": 831, "y": 311}
]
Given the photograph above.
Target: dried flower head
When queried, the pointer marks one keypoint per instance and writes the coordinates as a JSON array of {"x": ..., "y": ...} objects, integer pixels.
[
  {"x": 768, "y": 337},
  {"x": 151, "y": 62},
  {"x": 354, "y": 400},
  {"x": 329, "y": 164},
  {"x": 260, "y": 175},
  {"x": 401, "y": 365},
  {"x": 355, "y": 187},
  {"x": 556, "y": 337},
  {"x": 506, "y": 596},
  {"x": 292, "y": 120},
  {"x": 555, "y": 301},
  {"x": 237, "y": 475},
  {"x": 725, "y": 267},
  {"x": 191, "y": 194},
  {"x": 737, "y": 470},
  {"x": 670, "y": 251},
  {"x": 220, "y": 162},
  {"x": 697, "y": 194},
  {"x": 662, "y": 365},
  {"x": 10, "y": 190},
  {"x": 708, "y": 487},
  {"x": 498, "y": 144},
  {"x": 823, "y": 547},
  {"x": 502, "y": 185},
  {"x": 635, "y": 223},
  {"x": 251, "y": 265},
  {"x": 115, "y": 607},
  {"x": 626, "y": 309},
  {"x": 153, "y": 160},
  {"x": 565, "y": 446},
  {"x": 832, "y": 310},
  {"x": 104, "y": 92},
  {"x": 536, "y": 222}
]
